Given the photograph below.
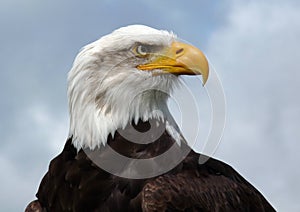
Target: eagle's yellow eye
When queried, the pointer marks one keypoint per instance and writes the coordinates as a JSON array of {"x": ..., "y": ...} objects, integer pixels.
[
  {"x": 141, "y": 50},
  {"x": 144, "y": 50}
]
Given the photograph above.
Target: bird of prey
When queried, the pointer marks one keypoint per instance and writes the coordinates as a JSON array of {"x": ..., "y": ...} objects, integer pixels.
[{"x": 125, "y": 152}]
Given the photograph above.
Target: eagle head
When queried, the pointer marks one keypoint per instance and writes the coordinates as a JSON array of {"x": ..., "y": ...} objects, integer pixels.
[{"x": 126, "y": 76}]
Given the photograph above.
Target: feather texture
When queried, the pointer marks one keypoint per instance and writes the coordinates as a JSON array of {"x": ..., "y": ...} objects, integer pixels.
[{"x": 75, "y": 183}]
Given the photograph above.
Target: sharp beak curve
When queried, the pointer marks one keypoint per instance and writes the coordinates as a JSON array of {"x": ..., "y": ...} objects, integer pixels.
[{"x": 179, "y": 59}]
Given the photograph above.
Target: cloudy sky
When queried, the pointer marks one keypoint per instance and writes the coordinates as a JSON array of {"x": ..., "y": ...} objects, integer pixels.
[{"x": 253, "y": 45}]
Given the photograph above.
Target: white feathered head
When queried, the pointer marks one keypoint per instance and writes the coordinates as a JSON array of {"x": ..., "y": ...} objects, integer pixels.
[{"x": 126, "y": 76}]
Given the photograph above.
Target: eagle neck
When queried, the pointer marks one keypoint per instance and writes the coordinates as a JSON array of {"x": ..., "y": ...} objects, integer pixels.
[{"x": 91, "y": 126}]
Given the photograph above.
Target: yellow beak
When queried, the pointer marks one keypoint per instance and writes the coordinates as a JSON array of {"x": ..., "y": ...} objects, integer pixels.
[{"x": 179, "y": 59}]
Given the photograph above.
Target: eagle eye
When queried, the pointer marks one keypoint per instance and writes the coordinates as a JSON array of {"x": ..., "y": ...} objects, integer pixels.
[{"x": 143, "y": 50}]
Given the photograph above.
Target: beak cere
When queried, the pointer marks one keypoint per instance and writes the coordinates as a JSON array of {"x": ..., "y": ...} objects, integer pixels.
[{"x": 179, "y": 59}]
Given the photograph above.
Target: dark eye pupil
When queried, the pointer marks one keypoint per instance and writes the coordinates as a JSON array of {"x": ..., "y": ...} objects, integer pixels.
[{"x": 143, "y": 49}]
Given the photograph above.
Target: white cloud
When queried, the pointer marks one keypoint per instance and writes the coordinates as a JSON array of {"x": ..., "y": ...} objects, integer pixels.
[{"x": 256, "y": 53}]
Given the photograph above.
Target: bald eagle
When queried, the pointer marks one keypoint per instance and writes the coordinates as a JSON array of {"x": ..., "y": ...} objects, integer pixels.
[{"x": 120, "y": 125}]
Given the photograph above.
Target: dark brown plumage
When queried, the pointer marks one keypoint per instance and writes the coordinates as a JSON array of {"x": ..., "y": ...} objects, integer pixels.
[{"x": 74, "y": 183}]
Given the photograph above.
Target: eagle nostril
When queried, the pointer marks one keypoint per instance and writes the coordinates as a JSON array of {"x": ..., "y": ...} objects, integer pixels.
[{"x": 179, "y": 51}]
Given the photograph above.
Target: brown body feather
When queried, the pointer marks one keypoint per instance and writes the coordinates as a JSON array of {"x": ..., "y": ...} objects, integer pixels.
[{"x": 75, "y": 183}]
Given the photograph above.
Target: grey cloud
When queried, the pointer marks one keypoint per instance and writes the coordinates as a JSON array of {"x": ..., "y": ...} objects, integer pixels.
[{"x": 256, "y": 55}]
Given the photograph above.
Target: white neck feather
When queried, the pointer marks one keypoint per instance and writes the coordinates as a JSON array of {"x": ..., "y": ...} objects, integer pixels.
[{"x": 90, "y": 126}]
